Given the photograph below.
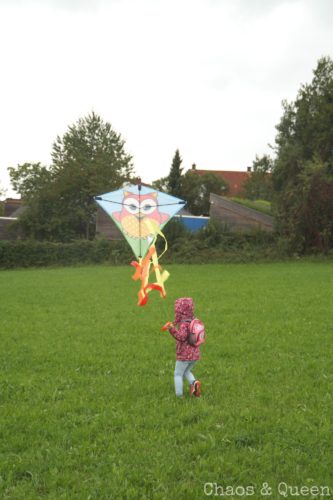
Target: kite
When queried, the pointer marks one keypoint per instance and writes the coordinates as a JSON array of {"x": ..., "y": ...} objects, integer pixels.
[{"x": 141, "y": 213}]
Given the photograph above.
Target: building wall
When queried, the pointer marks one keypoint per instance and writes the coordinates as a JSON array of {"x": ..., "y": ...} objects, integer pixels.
[
  {"x": 193, "y": 223},
  {"x": 11, "y": 205},
  {"x": 5, "y": 224},
  {"x": 106, "y": 227}
]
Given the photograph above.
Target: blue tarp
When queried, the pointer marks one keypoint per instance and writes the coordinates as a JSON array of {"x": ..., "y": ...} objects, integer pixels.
[{"x": 192, "y": 223}]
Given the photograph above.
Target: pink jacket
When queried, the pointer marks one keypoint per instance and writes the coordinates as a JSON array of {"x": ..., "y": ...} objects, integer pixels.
[{"x": 184, "y": 313}]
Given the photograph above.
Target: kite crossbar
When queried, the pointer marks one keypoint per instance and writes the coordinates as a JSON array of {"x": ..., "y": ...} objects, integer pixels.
[{"x": 99, "y": 198}]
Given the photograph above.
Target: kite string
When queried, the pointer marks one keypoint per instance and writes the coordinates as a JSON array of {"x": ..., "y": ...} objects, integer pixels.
[
  {"x": 165, "y": 243},
  {"x": 140, "y": 235}
]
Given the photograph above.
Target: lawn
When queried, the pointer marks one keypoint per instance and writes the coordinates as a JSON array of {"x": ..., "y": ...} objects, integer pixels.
[
  {"x": 87, "y": 405},
  {"x": 260, "y": 205}
]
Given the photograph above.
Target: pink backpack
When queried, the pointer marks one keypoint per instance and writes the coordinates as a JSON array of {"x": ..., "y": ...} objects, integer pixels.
[{"x": 197, "y": 333}]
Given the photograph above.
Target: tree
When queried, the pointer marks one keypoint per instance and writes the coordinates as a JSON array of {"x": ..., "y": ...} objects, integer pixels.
[
  {"x": 161, "y": 184},
  {"x": 89, "y": 159},
  {"x": 29, "y": 179},
  {"x": 196, "y": 190},
  {"x": 303, "y": 168},
  {"x": 2, "y": 193},
  {"x": 308, "y": 215},
  {"x": 174, "y": 179},
  {"x": 259, "y": 183},
  {"x": 34, "y": 182}
]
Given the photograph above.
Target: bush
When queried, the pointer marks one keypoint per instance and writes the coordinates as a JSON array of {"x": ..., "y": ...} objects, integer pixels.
[
  {"x": 213, "y": 244},
  {"x": 15, "y": 254},
  {"x": 173, "y": 231},
  {"x": 216, "y": 243},
  {"x": 214, "y": 233}
]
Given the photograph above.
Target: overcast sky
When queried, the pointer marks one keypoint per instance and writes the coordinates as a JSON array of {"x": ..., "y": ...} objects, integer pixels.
[{"x": 204, "y": 76}]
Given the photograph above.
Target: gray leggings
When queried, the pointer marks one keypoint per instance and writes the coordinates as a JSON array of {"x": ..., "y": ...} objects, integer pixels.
[{"x": 183, "y": 369}]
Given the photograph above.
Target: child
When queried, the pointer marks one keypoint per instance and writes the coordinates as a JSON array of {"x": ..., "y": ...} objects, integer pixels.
[{"x": 186, "y": 354}]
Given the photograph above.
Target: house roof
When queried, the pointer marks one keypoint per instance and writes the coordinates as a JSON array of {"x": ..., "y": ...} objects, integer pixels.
[
  {"x": 238, "y": 217},
  {"x": 234, "y": 178}
]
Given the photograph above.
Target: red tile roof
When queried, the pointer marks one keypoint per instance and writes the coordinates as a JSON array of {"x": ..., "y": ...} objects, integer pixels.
[{"x": 234, "y": 178}]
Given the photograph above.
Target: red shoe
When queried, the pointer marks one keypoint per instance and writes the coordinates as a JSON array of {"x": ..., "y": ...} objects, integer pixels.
[{"x": 195, "y": 388}]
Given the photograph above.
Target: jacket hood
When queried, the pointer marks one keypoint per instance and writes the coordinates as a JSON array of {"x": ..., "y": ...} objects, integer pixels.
[{"x": 184, "y": 309}]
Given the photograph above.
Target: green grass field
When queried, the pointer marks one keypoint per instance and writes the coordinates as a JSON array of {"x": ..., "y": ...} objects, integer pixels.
[{"x": 87, "y": 405}]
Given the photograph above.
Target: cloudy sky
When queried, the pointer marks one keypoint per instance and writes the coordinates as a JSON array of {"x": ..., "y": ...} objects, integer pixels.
[{"x": 204, "y": 76}]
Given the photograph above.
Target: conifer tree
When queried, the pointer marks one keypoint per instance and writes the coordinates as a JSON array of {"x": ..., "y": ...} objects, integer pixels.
[{"x": 174, "y": 182}]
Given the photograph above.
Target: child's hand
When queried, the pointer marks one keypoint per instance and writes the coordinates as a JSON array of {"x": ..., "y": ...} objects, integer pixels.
[{"x": 167, "y": 325}]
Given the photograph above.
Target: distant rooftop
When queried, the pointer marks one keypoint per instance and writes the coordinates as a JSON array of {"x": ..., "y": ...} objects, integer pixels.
[
  {"x": 11, "y": 205},
  {"x": 234, "y": 178}
]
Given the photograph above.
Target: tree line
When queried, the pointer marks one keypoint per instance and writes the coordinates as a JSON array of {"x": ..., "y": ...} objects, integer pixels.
[{"x": 91, "y": 158}]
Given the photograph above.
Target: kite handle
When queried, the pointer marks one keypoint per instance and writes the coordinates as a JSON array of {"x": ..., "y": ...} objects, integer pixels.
[{"x": 167, "y": 325}]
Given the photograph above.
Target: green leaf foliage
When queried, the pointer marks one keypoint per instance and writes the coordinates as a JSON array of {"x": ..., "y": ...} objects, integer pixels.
[
  {"x": 193, "y": 188},
  {"x": 259, "y": 183},
  {"x": 30, "y": 179},
  {"x": 88, "y": 160},
  {"x": 302, "y": 174},
  {"x": 20, "y": 254},
  {"x": 196, "y": 190},
  {"x": 2, "y": 194},
  {"x": 161, "y": 184},
  {"x": 174, "y": 180},
  {"x": 214, "y": 243},
  {"x": 263, "y": 206}
]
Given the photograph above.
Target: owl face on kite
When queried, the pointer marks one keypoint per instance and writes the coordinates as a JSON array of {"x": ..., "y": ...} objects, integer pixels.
[
  {"x": 140, "y": 216},
  {"x": 135, "y": 209}
]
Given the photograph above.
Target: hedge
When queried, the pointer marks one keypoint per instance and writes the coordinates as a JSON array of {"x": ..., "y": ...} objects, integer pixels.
[
  {"x": 213, "y": 243},
  {"x": 16, "y": 254}
]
